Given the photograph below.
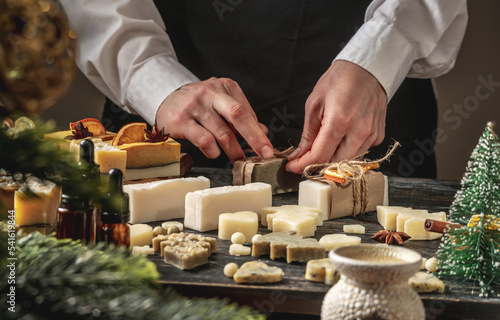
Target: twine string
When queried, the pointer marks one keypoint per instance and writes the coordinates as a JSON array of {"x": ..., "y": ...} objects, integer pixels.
[{"x": 350, "y": 169}]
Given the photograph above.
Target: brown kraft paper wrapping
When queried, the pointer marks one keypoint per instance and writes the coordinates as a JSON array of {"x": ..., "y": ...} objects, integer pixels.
[
  {"x": 271, "y": 171},
  {"x": 356, "y": 196}
]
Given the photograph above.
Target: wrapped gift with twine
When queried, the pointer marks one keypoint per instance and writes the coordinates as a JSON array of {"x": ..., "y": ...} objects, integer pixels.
[
  {"x": 353, "y": 187},
  {"x": 272, "y": 171}
]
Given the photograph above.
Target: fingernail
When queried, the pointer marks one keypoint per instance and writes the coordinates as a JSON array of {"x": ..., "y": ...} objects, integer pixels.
[
  {"x": 294, "y": 154},
  {"x": 267, "y": 152}
]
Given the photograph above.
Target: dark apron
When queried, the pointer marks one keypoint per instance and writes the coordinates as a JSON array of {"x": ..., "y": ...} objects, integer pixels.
[{"x": 276, "y": 50}]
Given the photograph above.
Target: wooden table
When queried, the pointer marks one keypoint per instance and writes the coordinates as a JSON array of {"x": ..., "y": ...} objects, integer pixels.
[{"x": 294, "y": 294}]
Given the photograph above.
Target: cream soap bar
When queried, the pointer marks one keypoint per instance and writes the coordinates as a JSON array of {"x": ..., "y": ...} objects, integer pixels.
[
  {"x": 290, "y": 217},
  {"x": 415, "y": 227},
  {"x": 168, "y": 170},
  {"x": 203, "y": 207},
  {"x": 141, "y": 235},
  {"x": 246, "y": 222},
  {"x": 319, "y": 195},
  {"x": 332, "y": 241},
  {"x": 161, "y": 200},
  {"x": 106, "y": 156},
  {"x": 426, "y": 282},
  {"x": 386, "y": 216}
]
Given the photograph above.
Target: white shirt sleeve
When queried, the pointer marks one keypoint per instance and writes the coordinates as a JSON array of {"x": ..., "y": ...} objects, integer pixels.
[
  {"x": 131, "y": 33},
  {"x": 408, "y": 38}
]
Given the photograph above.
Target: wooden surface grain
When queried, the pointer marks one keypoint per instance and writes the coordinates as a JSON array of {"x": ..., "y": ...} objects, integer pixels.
[{"x": 296, "y": 295}]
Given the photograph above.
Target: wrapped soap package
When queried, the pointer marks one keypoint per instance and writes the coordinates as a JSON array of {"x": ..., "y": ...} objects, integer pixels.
[
  {"x": 348, "y": 199},
  {"x": 271, "y": 171}
]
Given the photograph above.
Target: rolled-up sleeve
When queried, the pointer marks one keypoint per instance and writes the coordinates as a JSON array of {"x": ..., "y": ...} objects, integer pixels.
[
  {"x": 408, "y": 38},
  {"x": 124, "y": 51}
]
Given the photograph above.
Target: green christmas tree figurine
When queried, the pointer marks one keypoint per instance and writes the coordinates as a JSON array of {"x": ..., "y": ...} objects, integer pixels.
[{"x": 472, "y": 252}]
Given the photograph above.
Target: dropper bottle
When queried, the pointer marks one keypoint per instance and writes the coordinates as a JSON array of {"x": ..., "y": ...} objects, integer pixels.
[
  {"x": 91, "y": 171},
  {"x": 115, "y": 212}
]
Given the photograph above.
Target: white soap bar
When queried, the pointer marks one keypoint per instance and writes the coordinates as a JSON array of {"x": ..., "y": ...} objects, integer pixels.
[
  {"x": 141, "y": 235},
  {"x": 204, "y": 207},
  {"x": 406, "y": 214},
  {"x": 354, "y": 228},
  {"x": 161, "y": 200},
  {"x": 168, "y": 170},
  {"x": 239, "y": 250},
  {"x": 316, "y": 213},
  {"x": 387, "y": 215},
  {"x": 319, "y": 195},
  {"x": 289, "y": 217},
  {"x": 415, "y": 228},
  {"x": 331, "y": 241},
  {"x": 246, "y": 222}
]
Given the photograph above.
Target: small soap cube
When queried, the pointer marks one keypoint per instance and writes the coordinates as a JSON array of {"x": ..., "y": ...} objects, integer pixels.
[
  {"x": 426, "y": 282},
  {"x": 246, "y": 222},
  {"x": 354, "y": 228},
  {"x": 239, "y": 250},
  {"x": 141, "y": 235}
]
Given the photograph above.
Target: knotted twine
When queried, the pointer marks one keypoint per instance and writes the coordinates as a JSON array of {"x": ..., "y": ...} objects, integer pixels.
[{"x": 350, "y": 169}]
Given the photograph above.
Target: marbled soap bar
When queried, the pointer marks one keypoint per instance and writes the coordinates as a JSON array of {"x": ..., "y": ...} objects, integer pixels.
[
  {"x": 203, "y": 207},
  {"x": 271, "y": 171}
]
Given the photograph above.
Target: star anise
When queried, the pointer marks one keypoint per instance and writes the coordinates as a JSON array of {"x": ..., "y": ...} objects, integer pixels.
[
  {"x": 156, "y": 135},
  {"x": 81, "y": 131},
  {"x": 390, "y": 237}
]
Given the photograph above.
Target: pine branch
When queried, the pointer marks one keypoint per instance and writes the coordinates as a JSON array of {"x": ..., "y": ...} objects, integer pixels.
[{"x": 63, "y": 279}]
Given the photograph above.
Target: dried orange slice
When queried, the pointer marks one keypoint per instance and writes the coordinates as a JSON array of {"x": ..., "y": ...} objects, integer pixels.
[
  {"x": 334, "y": 175},
  {"x": 93, "y": 125},
  {"x": 130, "y": 133},
  {"x": 331, "y": 174}
]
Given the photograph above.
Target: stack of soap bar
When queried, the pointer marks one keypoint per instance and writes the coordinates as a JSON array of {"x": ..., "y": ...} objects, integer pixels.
[
  {"x": 203, "y": 207},
  {"x": 409, "y": 221},
  {"x": 246, "y": 222},
  {"x": 257, "y": 272},
  {"x": 287, "y": 245},
  {"x": 141, "y": 235},
  {"x": 321, "y": 270},
  {"x": 302, "y": 219},
  {"x": 187, "y": 250},
  {"x": 426, "y": 282},
  {"x": 40, "y": 209},
  {"x": 161, "y": 200},
  {"x": 271, "y": 171},
  {"x": 339, "y": 200},
  {"x": 332, "y": 241}
]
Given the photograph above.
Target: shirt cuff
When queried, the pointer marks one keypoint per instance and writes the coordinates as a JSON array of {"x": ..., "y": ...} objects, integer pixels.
[
  {"x": 150, "y": 85},
  {"x": 382, "y": 50}
]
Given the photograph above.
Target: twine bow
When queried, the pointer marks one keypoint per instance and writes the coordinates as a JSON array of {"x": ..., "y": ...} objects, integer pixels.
[{"x": 350, "y": 169}]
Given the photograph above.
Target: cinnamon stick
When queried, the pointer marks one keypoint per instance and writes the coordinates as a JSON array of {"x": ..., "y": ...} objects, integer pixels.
[{"x": 439, "y": 226}]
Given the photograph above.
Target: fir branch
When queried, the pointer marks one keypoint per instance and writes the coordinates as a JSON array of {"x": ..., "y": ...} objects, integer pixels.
[{"x": 63, "y": 279}]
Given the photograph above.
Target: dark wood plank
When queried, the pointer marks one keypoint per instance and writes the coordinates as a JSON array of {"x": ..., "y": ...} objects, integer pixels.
[{"x": 295, "y": 294}]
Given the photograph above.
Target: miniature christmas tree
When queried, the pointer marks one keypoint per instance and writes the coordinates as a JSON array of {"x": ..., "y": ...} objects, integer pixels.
[
  {"x": 472, "y": 252},
  {"x": 480, "y": 191}
]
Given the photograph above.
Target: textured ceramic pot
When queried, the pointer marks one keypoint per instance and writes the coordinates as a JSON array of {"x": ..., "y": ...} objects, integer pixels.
[{"x": 373, "y": 284}]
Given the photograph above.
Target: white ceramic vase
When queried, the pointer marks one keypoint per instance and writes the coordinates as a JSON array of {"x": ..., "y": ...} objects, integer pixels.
[{"x": 373, "y": 284}]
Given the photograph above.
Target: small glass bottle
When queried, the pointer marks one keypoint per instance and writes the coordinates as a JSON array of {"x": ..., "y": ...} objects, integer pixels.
[
  {"x": 72, "y": 217},
  {"x": 91, "y": 172},
  {"x": 115, "y": 212}
]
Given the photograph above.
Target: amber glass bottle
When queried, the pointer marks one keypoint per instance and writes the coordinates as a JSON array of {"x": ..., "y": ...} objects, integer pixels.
[
  {"x": 72, "y": 218},
  {"x": 115, "y": 212}
]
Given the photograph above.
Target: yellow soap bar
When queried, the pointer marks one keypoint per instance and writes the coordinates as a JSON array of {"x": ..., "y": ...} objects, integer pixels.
[
  {"x": 141, "y": 235},
  {"x": 39, "y": 209}
]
